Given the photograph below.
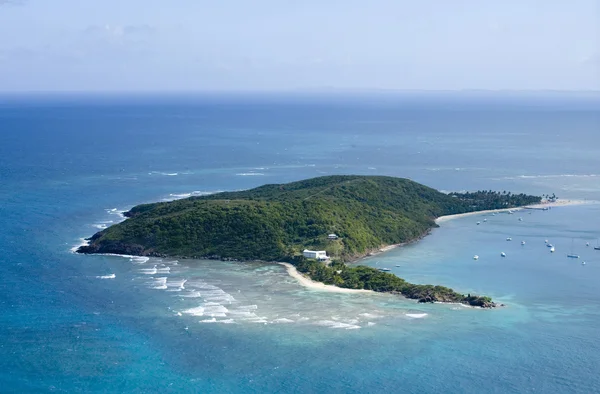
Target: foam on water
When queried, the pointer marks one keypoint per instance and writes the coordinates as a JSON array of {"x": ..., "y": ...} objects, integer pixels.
[
  {"x": 336, "y": 324},
  {"x": 200, "y": 285},
  {"x": 213, "y": 320},
  {"x": 282, "y": 320},
  {"x": 148, "y": 271},
  {"x": 82, "y": 242},
  {"x": 176, "y": 285},
  {"x": 242, "y": 314},
  {"x": 110, "y": 276},
  {"x": 138, "y": 259},
  {"x": 192, "y": 294},
  {"x": 248, "y": 307},
  {"x": 214, "y": 309},
  {"x": 258, "y": 319},
  {"x": 218, "y": 296},
  {"x": 163, "y": 270},
  {"x": 196, "y": 311},
  {"x": 416, "y": 315},
  {"x": 195, "y": 193},
  {"x": 117, "y": 212},
  {"x": 160, "y": 283},
  {"x": 249, "y": 174},
  {"x": 370, "y": 315},
  {"x": 165, "y": 173}
]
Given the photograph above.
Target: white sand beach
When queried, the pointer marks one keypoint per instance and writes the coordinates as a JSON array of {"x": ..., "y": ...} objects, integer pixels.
[
  {"x": 311, "y": 284},
  {"x": 559, "y": 203}
]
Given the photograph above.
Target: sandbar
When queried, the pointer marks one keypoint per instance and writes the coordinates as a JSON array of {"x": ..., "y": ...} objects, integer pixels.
[
  {"x": 311, "y": 284},
  {"x": 559, "y": 203}
]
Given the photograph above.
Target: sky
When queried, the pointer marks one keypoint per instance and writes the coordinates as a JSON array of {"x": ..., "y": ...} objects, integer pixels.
[{"x": 271, "y": 45}]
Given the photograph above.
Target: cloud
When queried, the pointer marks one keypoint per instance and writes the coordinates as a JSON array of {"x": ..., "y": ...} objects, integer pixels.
[
  {"x": 591, "y": 59},
  {"x": 118, "y": 32},
  {"x": 12, "y": 2}
]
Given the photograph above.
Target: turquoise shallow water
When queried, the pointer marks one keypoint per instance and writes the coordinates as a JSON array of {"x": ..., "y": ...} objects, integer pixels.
[{"x": 70, "y": 165}]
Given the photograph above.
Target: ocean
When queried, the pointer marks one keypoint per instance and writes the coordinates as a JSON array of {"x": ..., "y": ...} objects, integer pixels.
[{"x": 71, "y": 164}]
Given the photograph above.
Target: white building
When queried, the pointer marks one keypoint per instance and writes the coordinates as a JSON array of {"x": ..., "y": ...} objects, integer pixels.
[
  {"x": 332, "y": 236},
  {"x": 315, "y": 254}
]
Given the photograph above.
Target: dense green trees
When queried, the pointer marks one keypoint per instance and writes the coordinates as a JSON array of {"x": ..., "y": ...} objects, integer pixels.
[
  {"x": 361, "y": 277},
  {"x": 487, "y": 199},
  {"x": 275, "y": 222}
]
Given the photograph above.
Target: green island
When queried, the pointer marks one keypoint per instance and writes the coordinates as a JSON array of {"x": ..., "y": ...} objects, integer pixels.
[{"x": 349, "y": 217}]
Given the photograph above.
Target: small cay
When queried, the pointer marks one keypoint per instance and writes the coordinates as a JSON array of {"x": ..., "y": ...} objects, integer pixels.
[{"x": 278, "y": 222}]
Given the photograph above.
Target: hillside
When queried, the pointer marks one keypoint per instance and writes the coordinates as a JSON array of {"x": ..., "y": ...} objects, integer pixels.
[{"x": 276, "y": 222}]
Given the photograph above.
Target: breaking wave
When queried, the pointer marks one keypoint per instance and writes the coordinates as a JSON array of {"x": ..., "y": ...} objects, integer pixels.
[{"x": 111, "y": 276}]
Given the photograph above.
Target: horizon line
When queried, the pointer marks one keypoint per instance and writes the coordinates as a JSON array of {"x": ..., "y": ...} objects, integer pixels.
[{"x": 292, "y": 91}]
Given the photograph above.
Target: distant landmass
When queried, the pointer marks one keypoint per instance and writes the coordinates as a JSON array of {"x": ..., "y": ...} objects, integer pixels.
[{"x": 278, "y": 222}]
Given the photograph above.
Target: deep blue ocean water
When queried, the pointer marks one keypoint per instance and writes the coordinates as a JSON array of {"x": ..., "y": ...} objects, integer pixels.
[{"x": 69, "y": 164}]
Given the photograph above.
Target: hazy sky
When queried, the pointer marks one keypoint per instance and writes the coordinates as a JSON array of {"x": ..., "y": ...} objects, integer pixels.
[{"x": 305, "y": 44}]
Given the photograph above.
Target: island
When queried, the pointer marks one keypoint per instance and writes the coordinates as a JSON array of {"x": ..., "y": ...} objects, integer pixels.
[{"x": 345, "y": 216}]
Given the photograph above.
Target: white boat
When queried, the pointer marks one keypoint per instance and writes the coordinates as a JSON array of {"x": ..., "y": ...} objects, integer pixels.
[
  {"x": 572, "y": 255},
  {"x": 475, "y": 257},
  {"x": 485, "y": 220},
  {"x": 583, "y": 263},
  {"x": 503, "y": 254},
  {"x": 549, "y": 245},
  {"x": 384, "y": 269},
  {"x": 478, "y": 223},
  {"x": 522, "y": 242},
  {"x": 520, "y": 219},
  {"x": 546, "y": 241},
  {"x": 509, "y": 239},
  {"x": 552, "y": 249},
  {"x": 510, "y": 212},
  {"x": 587, "y": 244}
]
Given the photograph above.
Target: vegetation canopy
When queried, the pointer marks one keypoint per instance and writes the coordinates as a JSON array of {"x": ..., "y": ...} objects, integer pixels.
[{"x": 277, "y": 222}]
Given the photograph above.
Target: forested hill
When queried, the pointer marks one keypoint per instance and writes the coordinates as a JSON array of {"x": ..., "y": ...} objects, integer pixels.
[{"x": 276, "y": 222}]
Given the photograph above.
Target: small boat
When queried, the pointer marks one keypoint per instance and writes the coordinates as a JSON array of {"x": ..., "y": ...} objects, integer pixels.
[
  {"x": 398, "y": 265},
  {"x": 587, "y": 244},
  {"x": 478, "y": 223},
  {"x": 509, "y": 239},
  {"x": 583, "y": 263},
  {"x": 596, "y": 247},
  {"x": 552, "y": 249},
  {"x": 546, "y": 241},
  {"x": 522, "y": 242},
  {"x": 503, "y": 254},
  {"x": 475, "y": 257},
  {"x": 485, "y": 220},
  {"x": 571, "y": 254},
  {"x": 520, "y": 219},
  {"x": 384, "y": 269},
  {"x": 549, "y": 245}
]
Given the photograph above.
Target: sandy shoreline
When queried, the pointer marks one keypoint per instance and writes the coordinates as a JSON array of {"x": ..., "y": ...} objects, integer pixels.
[
  {"x": 559, "y": 203},
  {"x": 311, "y": 284}
]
